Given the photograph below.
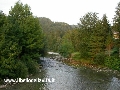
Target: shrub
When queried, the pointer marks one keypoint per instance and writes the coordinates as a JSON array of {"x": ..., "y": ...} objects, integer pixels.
[
  {"x": 21, "y": 70},
  {"x": 32, "y": 67},
  {"x": 76, "y": 56},
  {"x": 7, "y": 68},
  {"x": 99, "y": 58},
  {"x": 113, "y": 62},
  {"x": 31, "y": 64}
]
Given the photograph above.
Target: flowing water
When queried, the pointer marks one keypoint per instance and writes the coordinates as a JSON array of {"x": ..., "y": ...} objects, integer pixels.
[{"x": 69, "y": 78}]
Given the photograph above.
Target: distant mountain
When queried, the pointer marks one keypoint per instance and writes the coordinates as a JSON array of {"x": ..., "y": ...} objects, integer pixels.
[
  {"x": 74, "y": 26},
  {"x": 48, "y": 25}
]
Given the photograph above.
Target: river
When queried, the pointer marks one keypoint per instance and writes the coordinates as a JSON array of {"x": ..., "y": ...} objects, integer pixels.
[{"x": 69, "y": 78}]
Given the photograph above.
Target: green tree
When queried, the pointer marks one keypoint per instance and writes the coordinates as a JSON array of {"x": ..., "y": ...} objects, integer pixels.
[
  {"x": 23, "y": 43},
  {"x": 2, "y": 31},
  {"x": 116, "y": 28},
  {"x": 95, "y": 35},
  {"x": 108, "y": 36},
  {"x": 74, "y": 38},
  {"x": 86, "y": 29},
  {"x": 101, "y": 38},
  {"x": 3, "y": 25},
  {"x": 25, "y": 31},
  {"x": 66, "y": 47},
  {"x": 96, "y": 43}
]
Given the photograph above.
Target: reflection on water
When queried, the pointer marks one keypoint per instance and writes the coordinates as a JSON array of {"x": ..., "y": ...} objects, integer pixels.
[{"x": 70, "y": 78}]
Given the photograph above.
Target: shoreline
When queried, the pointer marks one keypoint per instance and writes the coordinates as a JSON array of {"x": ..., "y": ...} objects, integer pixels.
[{"x": 98, "y": 68}]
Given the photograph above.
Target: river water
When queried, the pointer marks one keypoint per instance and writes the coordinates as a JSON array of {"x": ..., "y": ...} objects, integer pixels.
[{"x": 69, "y": 78}]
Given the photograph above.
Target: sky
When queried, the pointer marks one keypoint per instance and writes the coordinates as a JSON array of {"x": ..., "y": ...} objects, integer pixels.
[{"x": 68, "y": 11}]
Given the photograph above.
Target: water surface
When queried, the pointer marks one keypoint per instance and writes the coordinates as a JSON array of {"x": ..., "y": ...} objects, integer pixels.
[{"x": 70, "y": 78}]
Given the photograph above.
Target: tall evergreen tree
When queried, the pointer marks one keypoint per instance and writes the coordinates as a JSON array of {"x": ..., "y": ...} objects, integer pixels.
[
  {"x": 2, "y": 31},
  {"x": 96, "y": 40},
  {"x": 86, "y": 29},
  {"x": 108, "y": 36},
  {"x": 116, "y": 27},
  {"x": 4, "y": 49}
]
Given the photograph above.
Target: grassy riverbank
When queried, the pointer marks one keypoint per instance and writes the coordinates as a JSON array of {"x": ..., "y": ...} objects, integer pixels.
[{"x": 76, "y": 61}]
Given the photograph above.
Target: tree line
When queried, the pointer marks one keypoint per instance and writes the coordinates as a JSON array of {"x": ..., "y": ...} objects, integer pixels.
[{"x": 95, "y": 40}]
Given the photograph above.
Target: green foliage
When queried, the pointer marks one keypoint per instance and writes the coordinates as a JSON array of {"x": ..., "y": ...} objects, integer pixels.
[
  {"x": 3, "y": 23},
  {"x": 74, "y": 37},
  {"x": 12, "y": 69},
  {"x": 22, "y": 42},
  {"x": 113, "y": 63},
  {"x": 76, "y": 56},
  {"x": 99, "y": 58},
  {"x": 32, "y": 67},
  {"x": 96, "y": 40},
  {"x": 66, "y": 48},
  {"x": 20, "y": 70},
  {"x": 86, "y": 29},
  {"x": 7, "y": 67},
  {"x": 115, "y": 52},
  {"x": 95, "y": 35},
  {"x": 116, "y": 27},
  {"x": 54, "y": 31}
]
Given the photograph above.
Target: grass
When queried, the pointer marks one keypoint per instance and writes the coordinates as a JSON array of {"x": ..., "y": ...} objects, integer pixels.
[
  {"x": 77, "y": 60},
  {"x": 75, "y": 56}
]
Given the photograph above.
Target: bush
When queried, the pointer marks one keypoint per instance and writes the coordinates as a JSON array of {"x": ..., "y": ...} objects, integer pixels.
[
  {"x": 76, "y": 56},
  {"x": 31, "y": 64},
  {"x": 32, "y": 67},
  {"x": 113, "y": 62},
  {"x": 21, "y": 70},
  {"x": 99, "y": 58},
  {"x": 7, "y": 68},
  {"x": 11, "y": 69}
]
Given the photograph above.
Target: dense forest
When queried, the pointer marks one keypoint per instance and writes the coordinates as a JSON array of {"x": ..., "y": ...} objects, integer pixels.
[{"x": 24, "y": 38}]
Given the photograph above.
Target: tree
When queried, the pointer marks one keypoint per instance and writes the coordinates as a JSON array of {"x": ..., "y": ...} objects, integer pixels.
[
  {"x": 66, "y": 47},
  {"x": 26, "y": 29},
  {"x": 2, "y": 31},
  {"x": 23, "y": 43},
  {"x": 86, "y": 29},
  {"x": 95, "y": 35},
  {"x": 3, "y": 24},
  {"x": 74, "y": 37},
  {"x": 96, "y": 40},
  {"x": 108, "y": 36},
  {"x": 116, "y": 27}
]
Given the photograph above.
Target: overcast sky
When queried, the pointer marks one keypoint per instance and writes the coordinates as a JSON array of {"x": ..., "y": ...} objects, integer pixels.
[{"x": 69, "y": 11}]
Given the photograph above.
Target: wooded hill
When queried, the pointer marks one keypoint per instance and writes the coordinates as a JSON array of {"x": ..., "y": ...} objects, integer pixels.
[{"x": 53, "y": 31}]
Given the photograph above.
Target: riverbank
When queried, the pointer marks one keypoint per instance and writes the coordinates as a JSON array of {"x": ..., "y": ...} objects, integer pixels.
[
  {"x": 75, "y": 62},
  {"x": 88, "y": 64},
  {"x": 69, "y": 77}
]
